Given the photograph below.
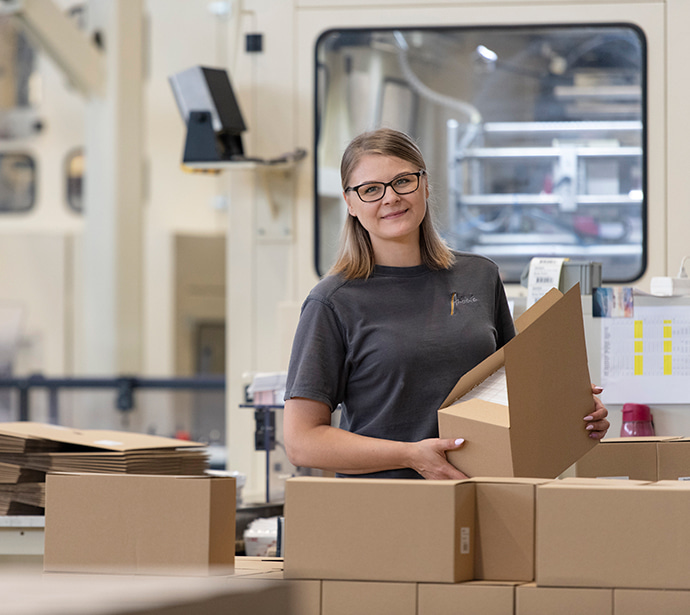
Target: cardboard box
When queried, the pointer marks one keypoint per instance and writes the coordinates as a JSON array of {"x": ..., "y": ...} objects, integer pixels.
[
  {"x": 636, "y": 458},
  {"x": 379, "y": 530},
  {"x": 646, "y": 601},
  {"x": 119, "y": 523},
  {"x": 368, "y": 598},
  {"x": 673, "y": 459},
  {"x": 485, "y": 597},
  {"x": 305, "y": 594},
  {"x": 538, "y": 429},
  {"x": 533, "y": 600},
  {"x": 505, "y": 525},
  {"x": 613, "y": 533}
]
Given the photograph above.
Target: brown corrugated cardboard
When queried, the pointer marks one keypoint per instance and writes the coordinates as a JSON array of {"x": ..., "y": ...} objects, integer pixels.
[
  {"x": 673, "y": 459},
  {"x": 613, "y": 533},
  {"x": 44, "y": 435},
  {"x": 533, "y": 600},
  {"x": 474, "y": 597},
  {"x": 379, "y": 530},
  {"x": 119, "y": 523},
  {"x": 504, "y": 545},
  {"x": 540, "y": 432},
  {"x": 635, "y": 458},
  {"x": 52, "y": 448},
  {"x": 305, "y": 594},
  {"x": 646, "y": 601},
  {"x": 368, "y": 598}
]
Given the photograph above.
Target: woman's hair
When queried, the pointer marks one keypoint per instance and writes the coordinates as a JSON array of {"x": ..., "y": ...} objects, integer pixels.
[{"x": 355, "y": 258}]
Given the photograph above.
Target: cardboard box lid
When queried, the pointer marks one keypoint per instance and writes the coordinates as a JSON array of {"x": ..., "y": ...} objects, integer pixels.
[
  {"x": 104, "y": 439},
  {"x": 548, "y": 384}
]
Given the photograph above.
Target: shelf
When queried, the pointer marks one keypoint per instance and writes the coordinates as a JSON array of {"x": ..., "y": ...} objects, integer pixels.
[
  {"x": 479, "y": 200},
  {"x": 488, "y": 153}
]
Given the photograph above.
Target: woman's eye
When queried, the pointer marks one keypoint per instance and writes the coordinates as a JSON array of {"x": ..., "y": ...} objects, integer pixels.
[
  {"x": 403, "y": 181},
  {"x": 372, "y": 189}
]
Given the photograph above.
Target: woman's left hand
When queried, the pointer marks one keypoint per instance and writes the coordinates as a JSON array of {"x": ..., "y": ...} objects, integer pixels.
[{"x": 597, "y": 425}]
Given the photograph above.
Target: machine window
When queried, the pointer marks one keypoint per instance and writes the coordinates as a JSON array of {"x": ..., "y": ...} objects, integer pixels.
[
  {"x": 17, "y": 182},
  {"x": 534, "y": 136}
]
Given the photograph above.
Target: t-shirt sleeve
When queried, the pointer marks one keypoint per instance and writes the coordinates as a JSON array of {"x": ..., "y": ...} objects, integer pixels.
[
  {"x": 505, "y": 326},
  {"x": 317, "y": 367}
]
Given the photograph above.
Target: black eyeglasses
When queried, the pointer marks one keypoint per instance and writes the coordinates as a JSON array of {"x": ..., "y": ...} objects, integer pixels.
[{"x": 373, "y": 191}]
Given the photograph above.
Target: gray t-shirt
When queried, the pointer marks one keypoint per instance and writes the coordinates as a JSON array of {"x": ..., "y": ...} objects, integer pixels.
[{"x": 390, "y": 348}]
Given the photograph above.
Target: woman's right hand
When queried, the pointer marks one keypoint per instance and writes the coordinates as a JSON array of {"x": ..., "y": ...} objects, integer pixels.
[{"x": 429, "y": 458}]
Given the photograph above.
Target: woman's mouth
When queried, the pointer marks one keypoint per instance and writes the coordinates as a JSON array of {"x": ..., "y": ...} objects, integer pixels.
[{"x": 395, "y": 214}]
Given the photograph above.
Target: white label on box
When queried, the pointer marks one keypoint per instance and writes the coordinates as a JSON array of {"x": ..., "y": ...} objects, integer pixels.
[
  {"x": 108, "y": 443},
  {"x": 464, "y": 540},
  {"x": 544, "y": 274}
]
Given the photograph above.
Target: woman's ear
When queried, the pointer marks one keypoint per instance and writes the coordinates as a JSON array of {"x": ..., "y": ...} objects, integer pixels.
[{"x": 350, "y": 209}]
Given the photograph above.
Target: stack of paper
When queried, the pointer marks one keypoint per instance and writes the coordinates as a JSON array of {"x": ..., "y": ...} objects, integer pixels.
[{"x": 29, "y": 450}]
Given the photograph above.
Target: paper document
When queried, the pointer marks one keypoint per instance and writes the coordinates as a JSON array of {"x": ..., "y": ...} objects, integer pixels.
[
  {"x": 493, "y": 389},
  {"x": 646, "y": 359}
]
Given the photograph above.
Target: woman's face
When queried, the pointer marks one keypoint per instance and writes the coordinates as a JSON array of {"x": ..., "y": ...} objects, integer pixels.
[{"x": 393, "y": 220}]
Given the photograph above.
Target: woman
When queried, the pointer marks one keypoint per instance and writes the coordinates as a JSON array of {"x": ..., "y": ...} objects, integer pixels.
[{"x": 389, "y": 331}]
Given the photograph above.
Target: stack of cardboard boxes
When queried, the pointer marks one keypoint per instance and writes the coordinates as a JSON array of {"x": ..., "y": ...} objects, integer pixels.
[{"x": 508, "y": 546}]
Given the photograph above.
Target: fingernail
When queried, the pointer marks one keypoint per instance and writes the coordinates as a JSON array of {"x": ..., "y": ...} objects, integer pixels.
[
  {"x": 590, "y": 426},
  {"x": 588, "y": 418},
  {"x": 600, "y": 388},
  {"x": 459, "y": 441}
]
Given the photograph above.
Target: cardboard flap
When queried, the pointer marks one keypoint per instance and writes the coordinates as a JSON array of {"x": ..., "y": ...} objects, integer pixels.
[
  {"x": 535, "y": 311},
  {"x": 493, "y": 363},
  {"x": 546, "y": 369},
  {"x": 474, "y": 377}
]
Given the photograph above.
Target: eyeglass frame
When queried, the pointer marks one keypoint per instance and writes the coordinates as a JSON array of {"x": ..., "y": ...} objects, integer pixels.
[{"x": 417, "y": 174}]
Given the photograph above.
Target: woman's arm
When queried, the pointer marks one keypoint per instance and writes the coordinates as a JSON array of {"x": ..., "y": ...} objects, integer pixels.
[{"x": 311, "y": 441}]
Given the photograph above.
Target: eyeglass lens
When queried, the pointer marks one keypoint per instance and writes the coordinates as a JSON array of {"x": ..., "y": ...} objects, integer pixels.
[{"x": 405, "y": 184}]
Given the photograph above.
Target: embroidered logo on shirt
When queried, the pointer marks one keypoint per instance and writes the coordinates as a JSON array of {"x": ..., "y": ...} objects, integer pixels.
[{"x": 456, "y": 299}]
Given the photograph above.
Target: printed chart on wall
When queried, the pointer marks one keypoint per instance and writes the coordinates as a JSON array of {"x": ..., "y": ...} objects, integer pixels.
[{"x": 646, "y": 358}]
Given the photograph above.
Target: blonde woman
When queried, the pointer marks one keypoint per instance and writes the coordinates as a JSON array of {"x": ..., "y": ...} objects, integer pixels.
[{"x": 387, "y": 333}]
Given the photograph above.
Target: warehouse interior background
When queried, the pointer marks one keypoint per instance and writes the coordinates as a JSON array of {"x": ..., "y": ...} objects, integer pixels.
[{"x": 116, "y": 260}]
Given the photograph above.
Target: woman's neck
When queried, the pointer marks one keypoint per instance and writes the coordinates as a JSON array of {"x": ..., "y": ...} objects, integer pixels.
[{"x": 398, "y": 255}]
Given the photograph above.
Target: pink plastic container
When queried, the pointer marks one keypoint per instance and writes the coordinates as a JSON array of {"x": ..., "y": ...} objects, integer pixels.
[{"x": 637, "y": 421}]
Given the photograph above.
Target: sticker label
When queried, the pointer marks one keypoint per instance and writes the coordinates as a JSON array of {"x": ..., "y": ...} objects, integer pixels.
[{"x": 464, "y": 540}]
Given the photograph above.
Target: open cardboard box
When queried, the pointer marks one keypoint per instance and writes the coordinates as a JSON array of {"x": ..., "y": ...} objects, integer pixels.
[{"x": 521, "y": 410}]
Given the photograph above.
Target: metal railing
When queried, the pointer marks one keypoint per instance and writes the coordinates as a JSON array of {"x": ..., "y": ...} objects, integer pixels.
[{"x": 124, "y": 387}]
